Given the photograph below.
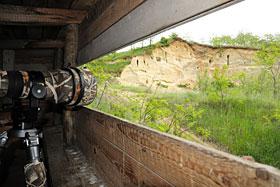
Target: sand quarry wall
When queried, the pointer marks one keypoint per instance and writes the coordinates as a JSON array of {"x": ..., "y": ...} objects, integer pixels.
[{"x": 179, "y": 63}]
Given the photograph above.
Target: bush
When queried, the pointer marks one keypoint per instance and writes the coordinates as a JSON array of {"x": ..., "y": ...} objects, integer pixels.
[{"x": 164, "y": 42}]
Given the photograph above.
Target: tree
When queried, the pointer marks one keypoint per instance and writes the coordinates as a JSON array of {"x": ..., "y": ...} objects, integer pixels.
[
  {"x": 221, "y": 82},
  {"x": 247, "y": 40},
  {"x": 269, "y": 57},
  {"x": 241, "y": 40}
]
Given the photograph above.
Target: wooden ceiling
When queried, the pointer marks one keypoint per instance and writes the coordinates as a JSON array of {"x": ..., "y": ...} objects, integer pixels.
[{"x": 37, "y": 31}]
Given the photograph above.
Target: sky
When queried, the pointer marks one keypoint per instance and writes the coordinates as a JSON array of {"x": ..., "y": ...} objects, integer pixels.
[{"x": 259, "y": 17}]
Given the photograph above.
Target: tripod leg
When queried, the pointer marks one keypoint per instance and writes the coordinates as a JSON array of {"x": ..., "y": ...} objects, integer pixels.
[
  {"x": 3, "y": 142},
  {"x": 33, "y": 148},
  {"x": 35, "y": 172}
]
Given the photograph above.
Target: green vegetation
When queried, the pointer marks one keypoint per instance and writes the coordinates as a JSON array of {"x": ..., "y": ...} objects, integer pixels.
[
  {"x": 182, "y": 85},
  {"x": 136, "y": 89},
  {"x": 269, "y": 57},
  {"x": 162, "y": 85},
  {"x": 104, "y": 69},
  {"x": 138, "y": 51},
  {"x": 239, "y": 126},
  {"x": 238, "y": 113},
  {"x": 244, "y": 40}
]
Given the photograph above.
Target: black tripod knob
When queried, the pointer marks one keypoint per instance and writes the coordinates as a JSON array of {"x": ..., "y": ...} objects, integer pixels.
[{"x": 39, "y": 91}]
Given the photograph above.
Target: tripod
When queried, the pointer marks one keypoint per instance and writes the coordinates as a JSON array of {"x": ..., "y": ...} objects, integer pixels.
[{"x": 23, "y": 118}]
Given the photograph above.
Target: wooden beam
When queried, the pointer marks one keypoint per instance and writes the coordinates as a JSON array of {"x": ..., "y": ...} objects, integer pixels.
[
  {"x": 19, "y": 15},
  {"x": 150, "y": 18},
  {"x": 111, "y": 15},
  {"x": 45, "y": 44},
  {"x": 29, "y": 44},
  {"x": 129, "y": 153}
]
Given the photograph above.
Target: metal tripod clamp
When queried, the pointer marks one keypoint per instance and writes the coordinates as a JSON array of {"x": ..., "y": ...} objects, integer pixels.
[
  {"x": 3, "y": 141},
  {"x": 32, "y": 147}
]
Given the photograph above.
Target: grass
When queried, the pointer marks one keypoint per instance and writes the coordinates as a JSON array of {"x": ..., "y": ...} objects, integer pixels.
[
  {"x": 137, "y": 51},
  {"x": 112, "y": 68},
  {"x": 238, "y": 126},
  {"x": 136, "y": 89},
  {"x": 126, "y": 54}
]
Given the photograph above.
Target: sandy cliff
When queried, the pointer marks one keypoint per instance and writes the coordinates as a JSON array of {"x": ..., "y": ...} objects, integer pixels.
[{"x": 179, "y": 63}]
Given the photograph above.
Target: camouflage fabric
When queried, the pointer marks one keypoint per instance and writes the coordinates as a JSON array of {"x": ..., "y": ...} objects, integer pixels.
[
  {"x": 26, "y": 84},
  {"x": 62, "y": 86},
  {"x": 4, "y": 83},
  {"x": 59, "y": 85},
  {"x": 90, "y": 87},
  {"x": 77, "y": 86},
  {"x": 35, "y": 174}
]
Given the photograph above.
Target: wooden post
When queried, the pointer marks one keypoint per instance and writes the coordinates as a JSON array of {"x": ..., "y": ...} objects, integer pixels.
[
  {"x": 70, "y": 58},
  {"x": 8, "y": 60},
  {"x": 71, "y": 45},
  {"x": 58, "y": 61},
  {"x": 1, "y": 59},
  {"x": 68, "y": 132}
]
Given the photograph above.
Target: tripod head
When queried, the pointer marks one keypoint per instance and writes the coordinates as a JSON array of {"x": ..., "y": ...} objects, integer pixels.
[
  {"x": 70, "y": 86},
  {"x": 24, "y": 117}
]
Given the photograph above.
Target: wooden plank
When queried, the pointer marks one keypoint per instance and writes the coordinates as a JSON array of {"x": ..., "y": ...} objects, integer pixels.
[
  {"x": 119, "y": 167},
  {"x": 52, "y": 32},
  {"x": 111, "y": 15},
  {"x": 178, "y": 161},
  {"x": 67, "y": 165},
  {"x": 34, "y": 32},
  {"x": 25, "y": 44},
  {"x": 33, "y": 67},
  {"x": 148, "y": 19},
  {"x": 45, "y": 44},
  {"x": 34, "y": 56},
  {"x": 34, "y": 59},
  {"x": 14, "y": 15}
]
